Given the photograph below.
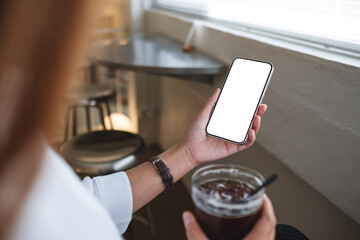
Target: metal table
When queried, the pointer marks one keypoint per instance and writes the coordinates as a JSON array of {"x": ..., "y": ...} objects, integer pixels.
[{"x": 153, "y": 53}]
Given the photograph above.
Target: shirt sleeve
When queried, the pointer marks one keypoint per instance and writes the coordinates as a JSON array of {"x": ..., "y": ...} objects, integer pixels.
[{"x": 114, "y": 193}]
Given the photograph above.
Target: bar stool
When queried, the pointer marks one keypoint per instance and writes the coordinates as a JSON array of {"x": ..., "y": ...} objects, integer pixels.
[
  {"x": 103, "y": 152},
  {"x": 87, "y": 96}
]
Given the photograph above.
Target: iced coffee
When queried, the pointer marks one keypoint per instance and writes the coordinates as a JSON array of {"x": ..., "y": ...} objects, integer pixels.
[{"x": 223, "y": 207}]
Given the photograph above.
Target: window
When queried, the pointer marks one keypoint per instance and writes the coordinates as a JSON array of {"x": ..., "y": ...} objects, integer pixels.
[{"x": 331, "y": 23}]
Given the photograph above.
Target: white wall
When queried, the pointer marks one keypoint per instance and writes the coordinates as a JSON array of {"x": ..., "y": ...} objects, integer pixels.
[{"x": 312, "y": 125}]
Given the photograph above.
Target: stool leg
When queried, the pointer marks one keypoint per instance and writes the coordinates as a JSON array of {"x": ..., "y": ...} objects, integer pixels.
[
  {"x": 151, "y": 221},
  {"x": 101, "y": 116},
  {"x": 67, "y": 120},
  {"x": 92, "y": 73},
  {"x": 130, "y": 231},
  {"x": 74, "y": 122},
  {"x": 88, "y": 124},
  {"x": 109, "y": 114}
]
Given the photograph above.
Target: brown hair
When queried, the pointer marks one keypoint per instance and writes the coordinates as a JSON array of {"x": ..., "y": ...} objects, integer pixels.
[{"x": 38, "y": 42}]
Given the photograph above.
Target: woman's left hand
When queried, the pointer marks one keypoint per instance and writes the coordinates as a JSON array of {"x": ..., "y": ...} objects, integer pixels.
[{"x": 200, "y": 147}]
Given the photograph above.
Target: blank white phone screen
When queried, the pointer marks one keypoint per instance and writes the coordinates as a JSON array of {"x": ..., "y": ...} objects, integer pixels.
[{"x": 239, "y": 100}]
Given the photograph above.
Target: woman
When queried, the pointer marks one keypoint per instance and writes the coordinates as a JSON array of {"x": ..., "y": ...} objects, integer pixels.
[{"x": 40, "y": 196}]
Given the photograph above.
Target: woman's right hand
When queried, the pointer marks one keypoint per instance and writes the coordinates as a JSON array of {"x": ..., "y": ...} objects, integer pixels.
[{"x": 264, "y": 229}]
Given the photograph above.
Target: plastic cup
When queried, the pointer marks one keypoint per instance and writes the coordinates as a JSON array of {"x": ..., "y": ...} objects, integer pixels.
[{"x": 222, "y": 207}]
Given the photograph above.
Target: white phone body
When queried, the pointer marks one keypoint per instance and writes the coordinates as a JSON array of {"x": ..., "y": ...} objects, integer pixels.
[{"x": 241, "y": 94}]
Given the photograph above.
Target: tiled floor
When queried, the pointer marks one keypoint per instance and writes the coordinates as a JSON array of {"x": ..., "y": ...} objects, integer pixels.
[{"x": 166, "y": 211}]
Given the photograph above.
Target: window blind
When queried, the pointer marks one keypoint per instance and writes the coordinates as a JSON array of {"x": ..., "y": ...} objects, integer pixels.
[{"x": 327, "y": 22}]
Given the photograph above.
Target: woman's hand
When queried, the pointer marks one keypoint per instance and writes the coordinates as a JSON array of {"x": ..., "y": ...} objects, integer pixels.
[
  {"x": 201, "y": 148},
  {"x": 264, "y": 228}
]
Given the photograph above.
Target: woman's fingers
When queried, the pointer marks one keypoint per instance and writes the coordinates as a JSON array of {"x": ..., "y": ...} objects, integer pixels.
[
  {"x": 251, "y": 138},
  {"x": 256, "y": 124},
  {"x": 268, "y": 211},
  {"x": 193, "y": 230},
  {"x": 265, "y": 226},
  {"x": 262, "y": 109},
  {"x": 257, "y": 119}
]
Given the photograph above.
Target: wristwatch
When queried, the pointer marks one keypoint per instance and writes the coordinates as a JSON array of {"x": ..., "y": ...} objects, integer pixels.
[{"x": 164, "y": 171}]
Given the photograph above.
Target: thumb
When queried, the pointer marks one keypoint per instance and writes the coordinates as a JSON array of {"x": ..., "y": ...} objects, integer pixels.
[
  {"x": 193, "y": 230},
  {"x": 210, "y": 103}
]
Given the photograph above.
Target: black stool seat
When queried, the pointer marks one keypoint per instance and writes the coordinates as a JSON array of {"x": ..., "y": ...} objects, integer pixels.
[
  {"x": 88, "y": 94},
  {"x": 102, "y": 152}
]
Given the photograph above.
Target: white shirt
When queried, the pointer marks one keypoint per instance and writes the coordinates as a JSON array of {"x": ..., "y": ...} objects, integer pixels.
[{"x": 60, "y": 206}]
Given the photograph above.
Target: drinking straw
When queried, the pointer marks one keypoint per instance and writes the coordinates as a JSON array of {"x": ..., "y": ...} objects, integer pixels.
[{"x": 271, "y": 179}]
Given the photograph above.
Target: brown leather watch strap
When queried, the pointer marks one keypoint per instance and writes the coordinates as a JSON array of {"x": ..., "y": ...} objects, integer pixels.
[{"x": 164, "y": 171}]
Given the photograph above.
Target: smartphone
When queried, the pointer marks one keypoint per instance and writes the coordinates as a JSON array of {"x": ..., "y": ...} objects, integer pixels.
[{"x": 239, "y": 99}]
